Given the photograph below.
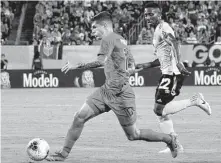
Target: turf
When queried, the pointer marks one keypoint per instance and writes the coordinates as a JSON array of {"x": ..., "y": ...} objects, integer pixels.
[{"x": 48, "y": 113}]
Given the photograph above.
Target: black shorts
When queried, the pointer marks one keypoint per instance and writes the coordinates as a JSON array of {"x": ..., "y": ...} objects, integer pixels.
[{"x": 169, "y": 86}]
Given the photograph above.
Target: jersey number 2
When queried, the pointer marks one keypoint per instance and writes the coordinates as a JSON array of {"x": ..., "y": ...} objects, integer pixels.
[{"x": 164, "y": 83}]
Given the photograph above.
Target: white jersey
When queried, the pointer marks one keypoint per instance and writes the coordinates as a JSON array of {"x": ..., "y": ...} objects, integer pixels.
[{"x": 163, "y": 50}]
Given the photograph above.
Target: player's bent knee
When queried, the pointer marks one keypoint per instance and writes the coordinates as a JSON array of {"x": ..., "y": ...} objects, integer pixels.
[{"x": 78, "y": 118}]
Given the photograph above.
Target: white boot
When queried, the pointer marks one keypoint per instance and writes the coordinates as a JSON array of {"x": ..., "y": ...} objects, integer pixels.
[
  {"x": 202, "y": 104},
  {"x": 180, "y": 147}
]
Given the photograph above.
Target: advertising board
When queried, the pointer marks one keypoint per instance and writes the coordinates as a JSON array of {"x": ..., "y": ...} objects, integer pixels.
[{"x": 200, "y": 76}]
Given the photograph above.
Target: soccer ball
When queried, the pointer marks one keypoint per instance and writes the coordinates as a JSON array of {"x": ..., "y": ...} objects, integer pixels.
[{"x": 38, "y": 149}]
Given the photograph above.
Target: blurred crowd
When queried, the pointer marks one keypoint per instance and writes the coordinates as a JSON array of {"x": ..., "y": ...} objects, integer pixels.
[
  {"x": 193, "y": 22},
  {"x": 7, "y": 16},
  {"x": 69, "y": 21},
  {"x": 9, "y": 10}
]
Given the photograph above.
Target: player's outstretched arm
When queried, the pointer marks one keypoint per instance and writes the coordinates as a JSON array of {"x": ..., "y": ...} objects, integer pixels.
[
  {"x": 105, "y": 49},
  {"x": 98, "y": 63},
  {"x": 67, "y": 67},
  {"x": 146, "y": 65}
]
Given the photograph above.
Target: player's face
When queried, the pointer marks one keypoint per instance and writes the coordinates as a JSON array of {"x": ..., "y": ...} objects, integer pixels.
[
  {"x": 97, "y": 30},
  {"x": 152, "y": 15}
]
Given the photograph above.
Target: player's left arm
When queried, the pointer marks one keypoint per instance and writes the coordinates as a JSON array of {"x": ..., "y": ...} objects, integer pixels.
[
  {"x": 170, "y": 39},
  {"x": 105, "y": 49}
]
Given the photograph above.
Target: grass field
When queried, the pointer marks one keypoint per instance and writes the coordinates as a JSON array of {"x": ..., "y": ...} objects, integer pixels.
[{"x": 48, "y": 113}]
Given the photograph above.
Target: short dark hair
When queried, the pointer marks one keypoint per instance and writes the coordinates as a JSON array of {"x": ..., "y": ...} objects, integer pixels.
[
  {"x": 152, "y": 5},
  {"x": 102, "y": 16}
]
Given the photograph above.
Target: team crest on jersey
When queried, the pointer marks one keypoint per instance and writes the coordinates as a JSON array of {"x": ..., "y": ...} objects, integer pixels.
[
  {"x": 47, "y": 48},
  {"x": 5, "y": 80}
]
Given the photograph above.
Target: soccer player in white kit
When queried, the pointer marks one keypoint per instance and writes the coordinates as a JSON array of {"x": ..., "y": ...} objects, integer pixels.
[{"x": 173, "y": 73}]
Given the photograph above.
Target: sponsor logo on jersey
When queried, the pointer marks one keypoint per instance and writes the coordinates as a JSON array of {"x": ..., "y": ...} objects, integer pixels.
[
  {"x": 136, "y": 80},
  {"x": 211, "y": 76},
  {"x": 40, "y": 79}
]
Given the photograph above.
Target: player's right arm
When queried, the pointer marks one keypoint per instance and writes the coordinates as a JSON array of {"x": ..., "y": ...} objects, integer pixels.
[
  {"x": 98, "y": 63},
  {"x": 105, "y": 49}
]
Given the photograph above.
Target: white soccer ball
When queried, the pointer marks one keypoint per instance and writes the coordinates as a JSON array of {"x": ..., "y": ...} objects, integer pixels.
[{"x": 38, "y": 149}]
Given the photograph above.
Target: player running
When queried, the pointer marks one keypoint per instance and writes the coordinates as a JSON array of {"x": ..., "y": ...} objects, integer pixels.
[
  {"x": 173, "y": 73},
  {"x": 116, "y": 94}
]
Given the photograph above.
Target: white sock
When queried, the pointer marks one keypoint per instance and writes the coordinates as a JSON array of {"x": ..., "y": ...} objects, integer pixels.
[
  {"x": 176, "y": 106},
  {"x": 166, "y": 125}
]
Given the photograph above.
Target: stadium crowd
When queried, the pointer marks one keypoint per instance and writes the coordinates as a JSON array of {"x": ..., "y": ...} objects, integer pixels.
[
  {"x": 9, "y": 9},
  {"x": 192, "y": 21},
  {"x": 7, "y": 16},
  {"x": 69, "y": 21}
]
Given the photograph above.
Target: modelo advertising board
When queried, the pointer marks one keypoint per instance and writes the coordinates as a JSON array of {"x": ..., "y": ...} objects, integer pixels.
[
  {"x": 74, "y": 78},
  {"x": 207, "y": 76},
  {"x": 52, "y": 78},
  {"x": 38, "y": 79},
  {"x": 200, "y": 76}
]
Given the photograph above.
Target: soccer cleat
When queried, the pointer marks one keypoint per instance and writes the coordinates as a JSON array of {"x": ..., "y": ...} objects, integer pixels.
[
  {"x": 201, "y": 103},
  {"x": 56, "y": 157},
  {"x": 167, "y": 150},
  {"x": 173, "y": 146}
]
